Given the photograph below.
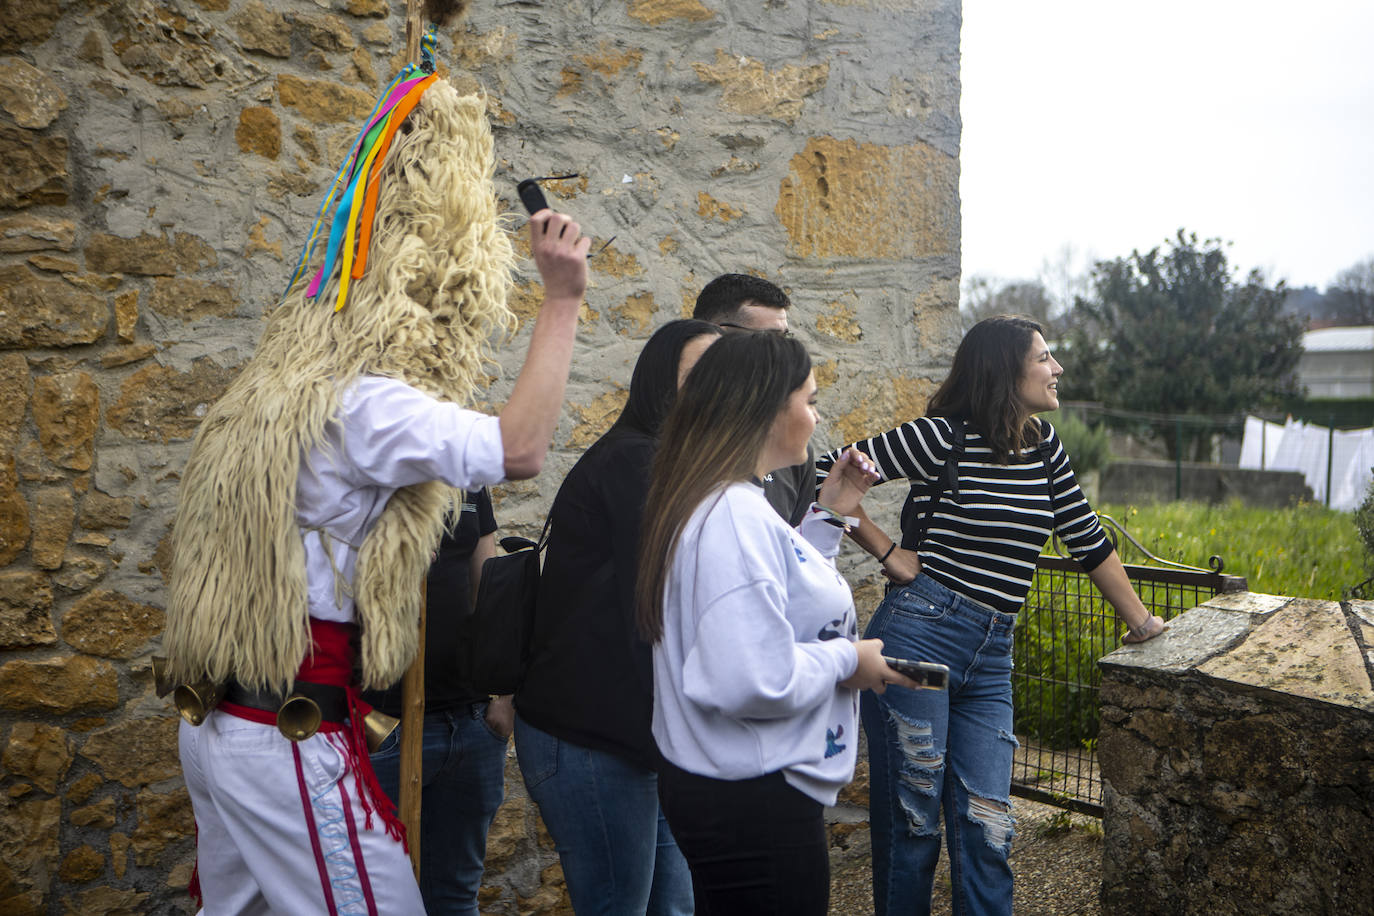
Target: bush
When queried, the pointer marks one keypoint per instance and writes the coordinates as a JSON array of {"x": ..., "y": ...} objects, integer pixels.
[
  {"x": 1087, "y": 445},
  {"x": 1364, "y": 523}
]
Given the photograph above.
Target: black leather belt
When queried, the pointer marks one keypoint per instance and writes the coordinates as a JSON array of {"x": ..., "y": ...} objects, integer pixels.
[{"x": 332, "y": 700}]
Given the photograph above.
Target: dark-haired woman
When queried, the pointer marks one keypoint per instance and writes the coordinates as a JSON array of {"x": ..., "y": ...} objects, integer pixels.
[
  {"x": 583, "y": 711},
  {"x": 756, "y": 662},
  {"x": 965, "y": 563}
]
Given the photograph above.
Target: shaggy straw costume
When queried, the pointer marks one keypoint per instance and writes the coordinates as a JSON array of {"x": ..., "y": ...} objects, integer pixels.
[{"x": 433, "y": 295}]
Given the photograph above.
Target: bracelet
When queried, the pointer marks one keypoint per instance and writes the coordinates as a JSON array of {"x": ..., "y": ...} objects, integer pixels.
[{"x": 891, "y": 547}]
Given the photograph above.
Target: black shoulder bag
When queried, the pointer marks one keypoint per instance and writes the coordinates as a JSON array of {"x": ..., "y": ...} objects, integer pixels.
[{"x": 496, "y": 638}]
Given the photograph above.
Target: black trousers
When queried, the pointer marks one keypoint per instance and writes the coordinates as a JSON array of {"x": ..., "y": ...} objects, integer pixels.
[{"x": 755, "y": 846}]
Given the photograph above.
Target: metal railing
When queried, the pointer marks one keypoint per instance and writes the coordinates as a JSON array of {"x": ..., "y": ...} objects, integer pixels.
[{"x": 1062, "y": 630}]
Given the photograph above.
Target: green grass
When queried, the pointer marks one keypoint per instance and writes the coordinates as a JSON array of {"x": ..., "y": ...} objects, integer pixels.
[{"x": 1306, "y": 551}]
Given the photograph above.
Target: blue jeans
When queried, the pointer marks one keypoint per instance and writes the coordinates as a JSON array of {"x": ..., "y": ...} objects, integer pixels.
[
  {"x": 618, "y": 855},
  {"x": 464, "y": 784},
  {"x": 930, "y": 750}
]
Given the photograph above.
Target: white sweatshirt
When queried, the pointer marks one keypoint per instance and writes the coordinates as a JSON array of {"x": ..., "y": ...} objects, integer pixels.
[{"x": 758, "y": 631}]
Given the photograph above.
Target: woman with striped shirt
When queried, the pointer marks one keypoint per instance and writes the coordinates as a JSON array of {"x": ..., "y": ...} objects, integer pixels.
[{"x": 997, "y": 483}]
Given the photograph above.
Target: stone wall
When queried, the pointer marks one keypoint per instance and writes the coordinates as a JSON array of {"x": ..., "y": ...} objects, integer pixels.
[
  {"x": 1145, "y": 481},
  {"x": 1237, "y": 757},
  {"x": 160, "y": 162}
]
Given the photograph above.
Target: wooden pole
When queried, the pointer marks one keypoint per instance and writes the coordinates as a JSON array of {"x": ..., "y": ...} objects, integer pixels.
[
  {"x": 415, "y": 29},
  {"x": 413, "y": 684},
  {"x": 412, "y": 742}
]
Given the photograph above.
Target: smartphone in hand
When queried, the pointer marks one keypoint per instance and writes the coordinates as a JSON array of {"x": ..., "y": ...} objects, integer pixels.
[{"x": 928, "y": 675}]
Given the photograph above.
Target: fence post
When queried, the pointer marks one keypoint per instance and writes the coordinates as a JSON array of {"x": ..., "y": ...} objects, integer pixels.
[
  {"x": 1178, "y": 458},
  {"x": 1330, "y": 456}
]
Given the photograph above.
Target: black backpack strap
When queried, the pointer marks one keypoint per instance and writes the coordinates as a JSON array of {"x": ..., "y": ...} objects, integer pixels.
[
  {"x": 1047, "y": 457},
  {"x": 915, "y": 515}
]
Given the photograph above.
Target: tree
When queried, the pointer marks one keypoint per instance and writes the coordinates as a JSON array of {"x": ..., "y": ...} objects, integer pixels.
[
  {"x": 985, "y": 296},
  {"x": 1353, "y": 292},
  {"x": 1173, "y": 331}
]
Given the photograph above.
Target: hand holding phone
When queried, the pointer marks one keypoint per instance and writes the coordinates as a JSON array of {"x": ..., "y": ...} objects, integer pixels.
[
  {"x": 928, "y": 675},
  {"x": 531, "y": 196}
]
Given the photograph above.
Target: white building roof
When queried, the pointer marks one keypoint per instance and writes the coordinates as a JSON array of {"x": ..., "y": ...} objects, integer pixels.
[{"x": 1339, "y": 340}]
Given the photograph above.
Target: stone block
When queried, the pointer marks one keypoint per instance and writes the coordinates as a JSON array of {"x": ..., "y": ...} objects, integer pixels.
[
  {"x": 169, "y": 49},
  {"x": 42, "y": 753},
  {"x": 107, "y": 901},
  {"x": 100, "y": 815},
  {"x": 657, "y": 12},
  {"x": 374, "y": 9},
  {"x": 81, "y": 789},
  {"x": 326, "y": 32},
  {"x": 33, "y": 169},
  {"x": 749, "y": 88},
  {"x": 79, "y": 573},
  {"x": 1190, "y": 639},
  {"x": 843, "y": 198},
  {"x": 29, "y": 95},
  {"x": 38, "y": 312},
  {"x": 59, "y": 685},
  {"x": 27, "y": 22},
  {"x": 135, "y": 752},
  {"x": 126, "y": 315},
  {"x": 159, "y": 404},
  {"x": 83, "y": 864},
  {"x": 164, "y": 819},
  {"x": 14, "y": 514},
  {"x": 1246, "y": 602},
  {"x": 259, "y": 132},
  {"x": 66, "y": 410},
  {"x": 188, "y": 300},
  {"x": 148, "y": 255},
  {"x": 26, "y": 232},
  {"x": 882, "y": 404},
  {"x": 261, "y": 29},
  {"x": 53, "y": 513},
  {"x": 323, "y": 101},
  {"x": 101, "y": 511},
  {"x": 109, "y": 624},
  {"x": 1128, "y": 762},
  {"x": 1306, "y": 650},
  {"x": 123, "y": 356},
  {"x": 15, "y": 385},
  {"x": 29, "y": 846}
]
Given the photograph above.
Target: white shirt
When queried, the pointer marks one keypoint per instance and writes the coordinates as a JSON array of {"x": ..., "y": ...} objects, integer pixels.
[
  {"x": 758, "y": 631},
  {"x": 386, "y": 435}
]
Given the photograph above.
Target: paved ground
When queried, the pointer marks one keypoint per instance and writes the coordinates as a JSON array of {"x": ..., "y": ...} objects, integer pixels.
[{"x": 1056, "y": 859}]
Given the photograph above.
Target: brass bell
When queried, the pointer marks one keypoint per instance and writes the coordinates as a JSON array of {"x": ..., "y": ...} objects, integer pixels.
[
  {"x": 194, "y": 701},
  {"x": 377, "y": 727},
  {"x": 299, "y": 717}
]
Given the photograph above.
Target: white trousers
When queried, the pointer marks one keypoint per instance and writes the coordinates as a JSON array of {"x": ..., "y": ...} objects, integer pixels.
[{"x": 280, "y": 827}]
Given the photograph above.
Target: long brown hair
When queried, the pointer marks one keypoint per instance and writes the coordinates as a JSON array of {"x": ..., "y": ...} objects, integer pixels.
[
  {"x": 981, "y": 386},
  {"x": 714, "y": 434}
]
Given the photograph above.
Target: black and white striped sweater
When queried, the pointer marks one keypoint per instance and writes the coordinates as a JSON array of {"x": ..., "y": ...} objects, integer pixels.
[{"x": 983, "y": 543}]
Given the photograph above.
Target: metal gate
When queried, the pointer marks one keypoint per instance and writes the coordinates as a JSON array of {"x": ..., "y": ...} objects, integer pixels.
[{"x": 1062, "y": 630}]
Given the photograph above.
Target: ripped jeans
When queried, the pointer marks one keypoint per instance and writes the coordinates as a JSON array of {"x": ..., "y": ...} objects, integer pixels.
[{"x": 930, "y": 750}]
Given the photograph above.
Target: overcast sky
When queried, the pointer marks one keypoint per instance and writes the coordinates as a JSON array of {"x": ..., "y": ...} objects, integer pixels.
[{"x": 1108, "y": 125}]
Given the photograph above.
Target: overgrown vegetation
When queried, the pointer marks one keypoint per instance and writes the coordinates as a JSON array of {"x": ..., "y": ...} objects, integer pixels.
[
  {"x": 1087, "y": 445},
  {"x": 1306, "y": 551}
]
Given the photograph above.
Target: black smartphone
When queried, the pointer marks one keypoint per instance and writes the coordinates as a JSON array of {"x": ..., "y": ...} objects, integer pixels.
[
  {"x": 531, "y": 196},
  {"x": 928, "y": 675}
]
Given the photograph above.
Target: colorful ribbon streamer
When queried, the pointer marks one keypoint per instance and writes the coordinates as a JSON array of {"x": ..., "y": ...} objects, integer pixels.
[{"x": 359, "y": 179}]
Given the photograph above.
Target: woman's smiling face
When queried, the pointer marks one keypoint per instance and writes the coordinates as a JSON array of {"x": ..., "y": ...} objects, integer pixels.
[{"x": 1038, "y": 387}]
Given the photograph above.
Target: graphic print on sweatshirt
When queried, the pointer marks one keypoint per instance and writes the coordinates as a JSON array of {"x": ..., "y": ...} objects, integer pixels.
[{"x": 832, "y": 741}]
